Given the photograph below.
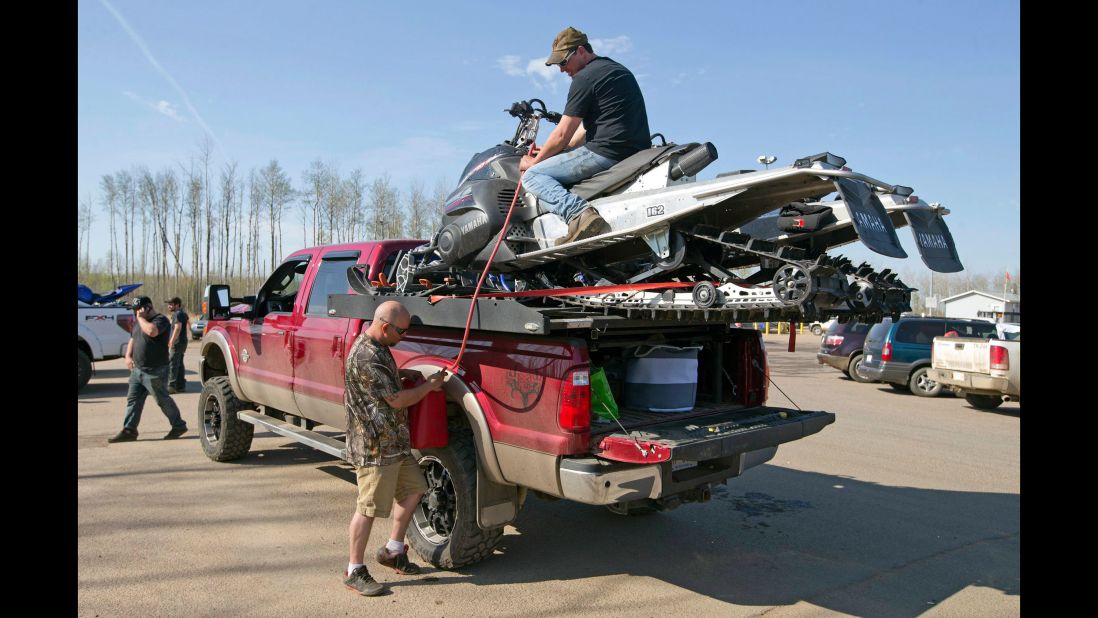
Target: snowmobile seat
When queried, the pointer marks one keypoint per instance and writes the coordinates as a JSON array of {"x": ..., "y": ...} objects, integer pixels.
[{"x": 624, "y": 171}]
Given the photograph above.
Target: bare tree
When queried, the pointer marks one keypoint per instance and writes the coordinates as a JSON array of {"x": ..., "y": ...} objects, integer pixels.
[
  {"x": 387, "y": 221},
  {"x": 355, "y": 189},
  {"x": 228, "y": 198},
  {"x": 438, "y": 202},
  {"x": 419, "y": 211},
  {"x": 84, "y": 219},
  {"x": 205, "y": 149},
  {"x": 276, "y": 195},
  {"x": 255, "y": 205},
  {"x": 111, "y": 204}
]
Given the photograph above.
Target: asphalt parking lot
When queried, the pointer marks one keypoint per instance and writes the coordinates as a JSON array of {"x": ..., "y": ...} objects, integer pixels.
[{"x": 904, "y": 506}]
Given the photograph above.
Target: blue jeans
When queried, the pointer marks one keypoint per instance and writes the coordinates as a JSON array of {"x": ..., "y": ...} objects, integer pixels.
[
  {"x": 546, "y": 179},
  {"x": 143, "y": 382}
]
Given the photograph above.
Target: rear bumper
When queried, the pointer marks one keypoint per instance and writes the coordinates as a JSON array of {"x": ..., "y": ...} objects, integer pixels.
[
  {"x": 886, "y": 372},
  {"x": 719, "y": 456},
  {"x": 975, "y": 383},
  {"x": 838, "y": 362}
]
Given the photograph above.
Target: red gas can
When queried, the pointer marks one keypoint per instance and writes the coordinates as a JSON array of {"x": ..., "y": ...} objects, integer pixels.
[{"x": 427, "y": 420}]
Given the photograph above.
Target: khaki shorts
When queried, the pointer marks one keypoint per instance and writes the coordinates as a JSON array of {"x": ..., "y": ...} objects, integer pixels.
[{"x": 378, "y": 486}]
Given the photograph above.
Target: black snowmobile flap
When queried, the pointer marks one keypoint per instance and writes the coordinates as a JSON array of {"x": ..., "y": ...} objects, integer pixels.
[
  {"x": 869, "y": 217},
  {"x": 801, "y": 217},
  {"x": 935, "y": 242}
]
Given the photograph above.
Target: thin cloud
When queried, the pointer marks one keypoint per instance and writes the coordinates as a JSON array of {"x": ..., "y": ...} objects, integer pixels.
[
  {"x": 162, "y": 107},
  {"x": 163, "y": 72},
  {"x": 542, "y": 77},
  {"x": 616, "y": 45},
  {"x": 510, "y": 66}
]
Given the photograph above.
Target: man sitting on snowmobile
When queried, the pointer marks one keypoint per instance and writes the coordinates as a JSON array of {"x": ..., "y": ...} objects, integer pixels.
[{"x": 604, "y": 121}]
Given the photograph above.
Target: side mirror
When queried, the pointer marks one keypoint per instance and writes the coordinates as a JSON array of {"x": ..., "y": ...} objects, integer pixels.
[{"x": 216, "y": 300}]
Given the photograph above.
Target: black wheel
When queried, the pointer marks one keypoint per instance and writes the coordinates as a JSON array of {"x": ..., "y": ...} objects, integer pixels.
[
  {"x": 793, "y": 285},
  {"x": 854, "y": 370},
  {"x": 444, "y": 527},
  {"x": 984, "y": 402},
  {"x": 899, "y": 387},
  {"x": 224, "y": 437},
  {"x": 705, "y": 294},
  {"x": 922, "y": 385},
  {"x": 83, "y": 369}
]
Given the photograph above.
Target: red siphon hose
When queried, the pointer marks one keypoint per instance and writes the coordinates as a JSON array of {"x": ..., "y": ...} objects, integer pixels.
[{"x": 484, "y": 273}]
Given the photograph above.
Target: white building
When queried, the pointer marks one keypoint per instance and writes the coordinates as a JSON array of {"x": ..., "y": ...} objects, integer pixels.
[{"x": 974, "y": 304}]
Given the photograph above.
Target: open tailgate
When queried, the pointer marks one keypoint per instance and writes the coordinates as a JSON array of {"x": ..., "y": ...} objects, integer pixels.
[{"x": 709, "y": 432}]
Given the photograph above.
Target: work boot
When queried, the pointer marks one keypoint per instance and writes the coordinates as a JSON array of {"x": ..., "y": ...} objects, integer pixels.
[
  {"x": 584, "y": 225},
  {"x": 173, "y": 390},
  {"x": 398, "y": 563},
  {"x": 175, "y": 433},
  {"x": 124, "y": 436},
  {"x": 361, "y": 581}
]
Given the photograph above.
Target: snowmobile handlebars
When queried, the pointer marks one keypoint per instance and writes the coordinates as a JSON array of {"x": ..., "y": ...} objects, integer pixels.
[
  {"x": 529, "y": 116},
  {"x": 526, "y": 109}
]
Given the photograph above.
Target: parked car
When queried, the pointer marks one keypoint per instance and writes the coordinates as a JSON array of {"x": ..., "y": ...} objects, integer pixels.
[
  {"x": 819, "y": 328},
  {"x": 901, "y": 357},
  {"x": 841, "y": 348},
  {"x": 1009, "y": 331},
  {"x": 198, "y": 327}
]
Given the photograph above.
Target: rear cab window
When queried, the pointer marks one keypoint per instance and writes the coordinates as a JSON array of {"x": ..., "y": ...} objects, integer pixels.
[
  {"x": 983, "y": 330},
  {"x": 330, "y": 278}
]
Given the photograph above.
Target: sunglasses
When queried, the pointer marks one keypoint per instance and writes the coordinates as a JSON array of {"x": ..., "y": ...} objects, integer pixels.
[
  {"x": 567, "y": 58},
  {"x": 400, "y": 331}
]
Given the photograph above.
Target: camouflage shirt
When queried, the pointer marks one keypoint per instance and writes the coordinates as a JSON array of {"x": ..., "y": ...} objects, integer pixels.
[{"x": 377, "y": 433}]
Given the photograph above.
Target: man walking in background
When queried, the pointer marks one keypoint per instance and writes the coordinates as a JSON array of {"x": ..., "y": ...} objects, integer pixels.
[
  {"x": 177, "y": 345},
  {"x": 147, "y": 360}
]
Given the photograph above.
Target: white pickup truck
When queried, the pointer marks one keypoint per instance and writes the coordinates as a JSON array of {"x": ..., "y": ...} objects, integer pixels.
[
  {"x": 102, "y": 333},
  {"x": 986, "y": 371}
]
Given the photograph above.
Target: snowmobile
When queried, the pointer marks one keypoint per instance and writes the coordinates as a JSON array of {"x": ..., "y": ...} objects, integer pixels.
[{"x": 667, "y": 226}]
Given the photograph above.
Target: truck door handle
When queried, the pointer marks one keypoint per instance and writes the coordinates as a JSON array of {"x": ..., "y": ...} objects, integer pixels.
[
  {"x": 337, "y": 347},
  {"x": 280, "y": 332}
]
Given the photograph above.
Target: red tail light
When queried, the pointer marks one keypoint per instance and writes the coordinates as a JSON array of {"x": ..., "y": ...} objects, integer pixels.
[
  {"x": 999, "y": 358},
  {"x": 833, "y": 340},
  {"x": 125, "y": 321},
  {"x": 575, "y": 402},
  {"x": 886, "y": 353}
]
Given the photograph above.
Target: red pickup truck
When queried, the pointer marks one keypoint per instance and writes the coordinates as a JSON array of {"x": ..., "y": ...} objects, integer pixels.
[{"x": 518, "y": 406}]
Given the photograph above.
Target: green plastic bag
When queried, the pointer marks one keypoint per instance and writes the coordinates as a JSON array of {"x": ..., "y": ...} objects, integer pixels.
[{"x": 602, "y": 400}]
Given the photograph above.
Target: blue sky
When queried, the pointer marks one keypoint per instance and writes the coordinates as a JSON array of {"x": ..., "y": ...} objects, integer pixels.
[{"x": 918, "y": 93}]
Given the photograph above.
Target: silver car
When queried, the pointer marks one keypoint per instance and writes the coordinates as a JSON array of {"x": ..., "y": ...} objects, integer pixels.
[{"x": 198, "y": 327}]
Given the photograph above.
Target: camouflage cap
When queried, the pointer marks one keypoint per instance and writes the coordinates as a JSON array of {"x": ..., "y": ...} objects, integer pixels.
[{"x": 566, "y": 41}]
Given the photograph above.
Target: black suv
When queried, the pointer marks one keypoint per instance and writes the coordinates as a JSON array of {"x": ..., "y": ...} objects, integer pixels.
[{"x": 841, "y": 348}]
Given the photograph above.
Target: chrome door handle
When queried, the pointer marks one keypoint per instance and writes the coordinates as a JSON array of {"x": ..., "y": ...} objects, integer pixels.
[{"x": 280, "y": 332}]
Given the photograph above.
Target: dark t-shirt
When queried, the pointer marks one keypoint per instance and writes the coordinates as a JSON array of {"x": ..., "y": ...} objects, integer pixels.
[
  {"x": 606, "y": 95},
  {"x": 180, "y": 316},
  {"x": 151, "y": 352}
]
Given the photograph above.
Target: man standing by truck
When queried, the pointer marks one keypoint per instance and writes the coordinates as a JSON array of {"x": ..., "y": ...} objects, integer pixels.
[
  {"x": 379, "y": 444},
  {"x": 147, "y": 360},
  {"x": 177, "y": 345}
]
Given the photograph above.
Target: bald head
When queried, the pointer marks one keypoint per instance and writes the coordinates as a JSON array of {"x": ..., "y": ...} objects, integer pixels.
[
  {"x": 388, "y": 318},
  {"x": 392, "y": 312}
]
